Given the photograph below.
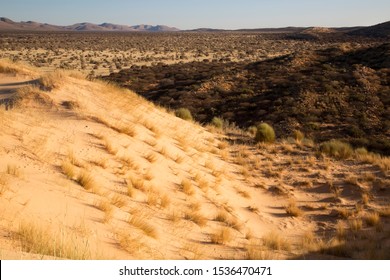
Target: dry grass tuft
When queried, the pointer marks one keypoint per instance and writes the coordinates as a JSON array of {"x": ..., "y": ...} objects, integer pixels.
[
  {"x": 345, "y": 213},
  {"x": 255, "y": 251},
  {"x": 140, "y": 221},
  {"x": 195, "y": 217},
  {"x": 129, "y": 243},
  {"x": 13, "y": 170},
  {"x": 52, "y": 80},
  {"x": 85, "y": 179},
  {"x": 174, "y": 216},
  {"x": 3, "y": 185},
  {"x": 340, "y": 230},
  {"x": 187, "y": 187},
  {"x": 118, "y": 200},
  {"x": 106, "y": 207},
  {"x": 165, "y": 201},
  {"x": 151, "y": 157},
  {"x": 179, "y": 159},
  {"x": 136, "y": 183},
  {"x": 372, "y": 219},
  {"x": 355, "y": 225},
  {"x": 275, "y": 241},
  {"x": 292, "y": 209},
  {"x": 129, "y": 130},
  {"x": 222, "y": 236},
  {"x": 243, "y": 193},
  {"x": 153, "y": 198},
  {"x": 38, "y": 240},
  {"x": 68, "y": 169},
  {"x": 110, "y": 147},
  {"x": 222, "y": 217}
]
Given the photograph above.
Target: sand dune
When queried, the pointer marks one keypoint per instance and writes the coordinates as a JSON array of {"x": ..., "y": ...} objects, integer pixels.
[{"x": 92, "y": 171}]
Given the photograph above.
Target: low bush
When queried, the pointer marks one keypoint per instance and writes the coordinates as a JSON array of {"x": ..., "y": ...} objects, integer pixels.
[
  {"x": 217, "y": 122},
  {"x": 336, "y": 149},
  {"x": 184, "y": 114},
  {"x": 265, "y": 133}
]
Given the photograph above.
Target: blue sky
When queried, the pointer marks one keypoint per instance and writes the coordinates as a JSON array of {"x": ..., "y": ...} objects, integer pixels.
[{"x": 187, "y": 14}]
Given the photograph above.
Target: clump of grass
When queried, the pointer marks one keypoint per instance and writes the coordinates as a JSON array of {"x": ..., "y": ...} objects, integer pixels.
[
  {"x": 70, "y": 105},
  {"x": 128, "y": 130},
  {"x": 118, "y": 200},
  {"x": 365, "y": 198},
  {"x": 38, "y": 240},
  {"x": 340, "y": 230},
  {"x": 151, "y": 157},
  {"x": 85, "y": 179},
  {"x": 165, "y": 201},
  {"x": 149, "y": 175},
  {"x": 222, "y": 217},
  {"x": 345, "y": 213},
  {"x": 222, "y": 145},
  {"x": 174, "y": 216},
  {"x": 217, "y": 122},
  {"x": 222, "y": 236},
  {"x": 179, "y": 159},
  {"x": 275, "y": 241},
  {"x": 129, "y": 243},
  {"x": 253, "y": 209},
  {"x": 372, "y": 219},
  {"x": 136, "y": 183},
  {"x": 187, "y": 187},
  {"x": 140, "y": 222},
  {"x": 71, "y": 157},
  {"x": 68, "y": 169},
  {"x": 255, "y": 251},
  {"x": 336, "y": 149},
  {"x": 13, "y": 170},
  {"x": 153, "y": 198},
  {"x": 265, "y": 133},
  {"x": 51, "y": 80},
  {"x": 184, "y": 114},
  {"x": 3, "y": 185},
  {"x": 298, "y": 136},
  {"x": 355, "y": 225},
  {"x": 292, "y": 209},
  {"x": 106, "y": 207},
  {"x": 252, "y": 130},
  {"x": 101, "y": 162},
  {"x": 243, "y": 193},
  {"x": 110, "y": 147},
  {"x": 195, "y": 217}
]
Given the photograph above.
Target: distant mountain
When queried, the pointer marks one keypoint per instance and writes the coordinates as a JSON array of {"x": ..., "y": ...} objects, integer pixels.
[
  {"x": 379, "y": 30},
  {"x": 7, "y": 24}
]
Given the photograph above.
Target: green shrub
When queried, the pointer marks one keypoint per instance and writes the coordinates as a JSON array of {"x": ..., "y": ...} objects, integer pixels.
[
  {"x": 217, "y": 122},
  {"x": 184, "y": 114},
  {"x": 265, "y": 133},
  {"x": 336, "y": 149}
]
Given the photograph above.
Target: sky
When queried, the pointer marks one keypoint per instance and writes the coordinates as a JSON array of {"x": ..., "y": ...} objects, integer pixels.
[{"x": 191, "y": 14}]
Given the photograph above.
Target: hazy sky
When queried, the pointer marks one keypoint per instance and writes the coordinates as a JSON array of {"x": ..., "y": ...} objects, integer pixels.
[{"x": 187, "y": 14}]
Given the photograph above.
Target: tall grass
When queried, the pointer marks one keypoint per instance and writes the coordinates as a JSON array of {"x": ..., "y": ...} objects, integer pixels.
[{"x": 39, "y": 240}]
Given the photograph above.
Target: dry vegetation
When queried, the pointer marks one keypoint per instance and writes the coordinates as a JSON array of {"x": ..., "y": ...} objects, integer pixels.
[{"x": 149, "y": 185}]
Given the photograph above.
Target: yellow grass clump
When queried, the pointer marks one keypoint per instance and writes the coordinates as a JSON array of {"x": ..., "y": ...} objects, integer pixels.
[{"x": 38, "y": 240}]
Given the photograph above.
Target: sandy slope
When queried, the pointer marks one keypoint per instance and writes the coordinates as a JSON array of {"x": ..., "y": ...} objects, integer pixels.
[{"x": 101, "y": 173}]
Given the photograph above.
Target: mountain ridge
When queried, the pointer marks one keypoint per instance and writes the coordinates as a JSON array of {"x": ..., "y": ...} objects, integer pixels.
[{"x": 7, "y": 24}]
